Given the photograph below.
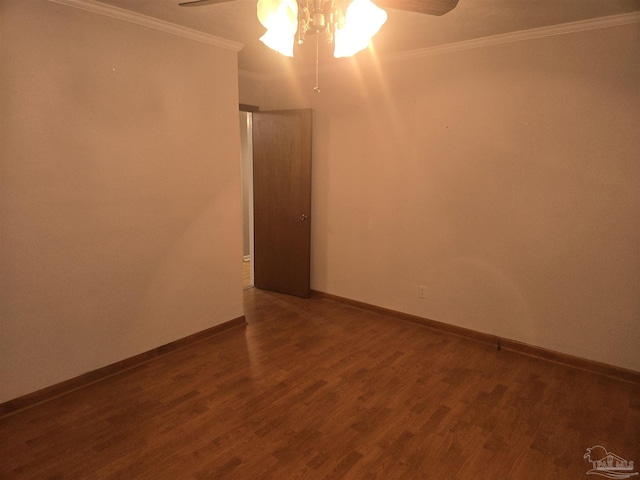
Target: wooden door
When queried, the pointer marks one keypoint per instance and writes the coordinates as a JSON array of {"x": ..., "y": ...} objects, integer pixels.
[{"x": 282, "y": 201}]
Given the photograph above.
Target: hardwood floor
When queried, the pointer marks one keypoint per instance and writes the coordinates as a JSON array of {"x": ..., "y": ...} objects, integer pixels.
[{"x": 318, "y": 390}]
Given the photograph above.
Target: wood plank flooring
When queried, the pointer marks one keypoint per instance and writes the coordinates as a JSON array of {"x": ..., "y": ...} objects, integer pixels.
[{"x": 318, "y": 390}]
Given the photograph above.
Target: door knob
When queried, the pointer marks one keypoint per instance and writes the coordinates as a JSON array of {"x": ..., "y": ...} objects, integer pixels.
[{"x": 303, "y": 217}]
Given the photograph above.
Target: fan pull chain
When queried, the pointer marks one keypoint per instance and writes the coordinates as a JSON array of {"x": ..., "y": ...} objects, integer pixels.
[{"x": 317, "y": 87}]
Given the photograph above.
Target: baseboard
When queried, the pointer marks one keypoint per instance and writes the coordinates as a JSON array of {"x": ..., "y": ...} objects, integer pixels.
[
  {"x": 500, "y": 343},
  {"x": 94, "y": 376}
]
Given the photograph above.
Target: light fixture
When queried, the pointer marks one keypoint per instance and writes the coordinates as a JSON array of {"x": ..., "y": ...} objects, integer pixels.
[
  {"x": 280, "y": 18},
  {"x": 349, "y": 24}
]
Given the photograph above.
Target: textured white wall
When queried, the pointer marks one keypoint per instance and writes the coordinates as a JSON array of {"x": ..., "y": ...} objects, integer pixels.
[
  {"x": 504, "y": 179},
  {"x": 120, "y": 201}
]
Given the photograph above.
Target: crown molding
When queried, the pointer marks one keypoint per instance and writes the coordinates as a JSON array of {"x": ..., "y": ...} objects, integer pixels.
[
  {"x": 150, "y": 22},
  {"x": 513, "y": 37}
]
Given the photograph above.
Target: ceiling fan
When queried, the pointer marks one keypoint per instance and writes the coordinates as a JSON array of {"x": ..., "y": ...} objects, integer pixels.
[
  {"x": 348, "y": 24},
  {"x": 430, "y": 7},
  {"x": 351, "y": 23}
]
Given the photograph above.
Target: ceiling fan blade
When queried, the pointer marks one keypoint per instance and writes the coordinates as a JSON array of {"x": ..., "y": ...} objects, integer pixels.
[
  {"x": 201, "y": 3},
  {"x": 430, "y": 7}
]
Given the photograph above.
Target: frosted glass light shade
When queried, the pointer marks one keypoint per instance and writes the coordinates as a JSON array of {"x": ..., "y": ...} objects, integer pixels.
[
  {"x": 363, "y": 20},
  {"x": 280, "y": 18}
]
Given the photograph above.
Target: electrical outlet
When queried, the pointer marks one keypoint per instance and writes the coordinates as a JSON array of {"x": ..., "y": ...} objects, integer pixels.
[{"x": 422, "y": 292}]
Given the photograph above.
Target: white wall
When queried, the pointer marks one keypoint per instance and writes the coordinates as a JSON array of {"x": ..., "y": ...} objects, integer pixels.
[
  {"x": 250, "y": 89},
  {"x": 504, "y": 179},
  {"x": 120, "y": 200}
]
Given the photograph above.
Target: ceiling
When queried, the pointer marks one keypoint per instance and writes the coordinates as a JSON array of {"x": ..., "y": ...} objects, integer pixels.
[{"x": 404, "y": 31}]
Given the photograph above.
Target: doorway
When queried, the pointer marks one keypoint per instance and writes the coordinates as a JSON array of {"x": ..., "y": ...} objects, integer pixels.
[
  {"x": 246, "y": 154},
  {"x": 282, "y": 200},
  {"x": 276, "y": 198}
]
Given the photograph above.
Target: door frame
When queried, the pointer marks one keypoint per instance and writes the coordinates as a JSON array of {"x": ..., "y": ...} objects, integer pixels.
[{"x": 247, "y": 182}]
